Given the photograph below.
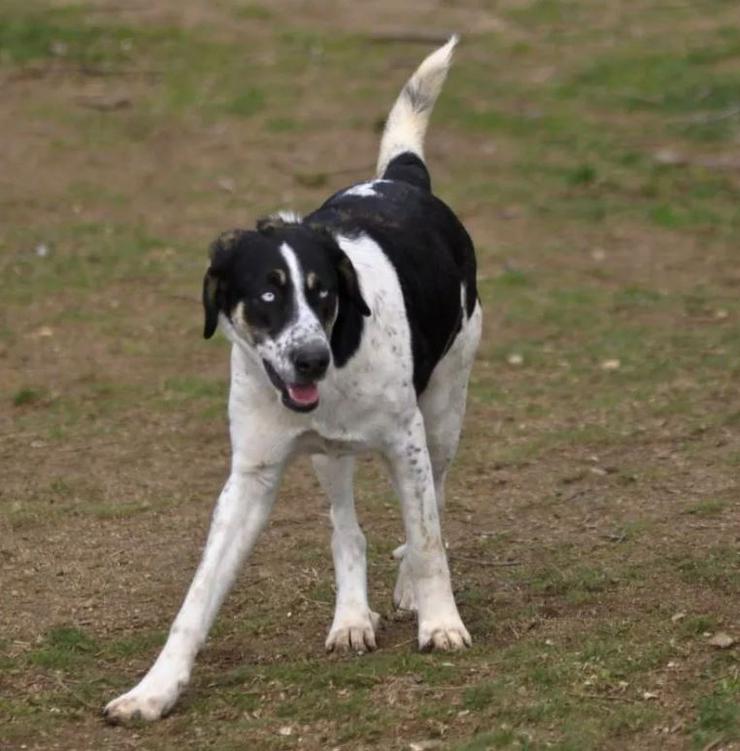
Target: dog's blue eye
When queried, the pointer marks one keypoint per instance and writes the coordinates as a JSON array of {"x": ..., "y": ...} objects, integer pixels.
[
  {"x": 323, "y": 294},
  {"x": 267, "y": 297}
]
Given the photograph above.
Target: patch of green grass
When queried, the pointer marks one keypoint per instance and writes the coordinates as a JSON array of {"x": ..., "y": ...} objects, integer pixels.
[
  {"x": 547, "y": 14},
  {"x": 27, "y": 396},
  {"x": 709, "y": 507},
  {"x": 718, "y": 567},
  {"x": 574, "y": 583},
  {"x": 502, "y": 738},
  {"x": 666, "y": 80},
  {"x": 246, "y": 102},
  {"x": 195, "y": 387},
  {"x": 718, "y": 714},
  {"x": 583, "y": 174},
  {"x": 84, "y": 256},
  {"x": 64, "y": 648},
  {"x": 696, "y": 625},
  {"x": 116, "y": 510},
  {"x": 136, "y": 645},
  {"x": 64, "y": 33},
  {"x": 485, "y": 694},
  {"x": 616, "y": 651},
  {"x": 254, "y": 11}
]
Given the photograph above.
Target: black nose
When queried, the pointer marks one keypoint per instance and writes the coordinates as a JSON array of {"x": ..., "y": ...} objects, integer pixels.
[{"x": 311, "y": 362}]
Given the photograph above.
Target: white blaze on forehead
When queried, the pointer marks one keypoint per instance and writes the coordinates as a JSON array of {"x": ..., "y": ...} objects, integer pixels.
[{"x": 305, "y": 323}]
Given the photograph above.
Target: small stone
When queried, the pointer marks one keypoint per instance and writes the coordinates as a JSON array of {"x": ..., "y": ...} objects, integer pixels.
[
  {"x": 227, "y": 184},
  {"x": 598, "y": 254},
  {"x": 669, "y": 156},
  {"x": 676, "y": 617},
  {"x": 42, "y": 250},
  {"x": 611, "y": 364},
  {"x": 285, "y": 730},
  {"x": 722, "y": 640},
  {"x": 515, "y": 358}
]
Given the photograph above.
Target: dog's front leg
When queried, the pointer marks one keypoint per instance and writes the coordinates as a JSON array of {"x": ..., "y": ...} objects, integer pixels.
[
  {"x": 240, "y": 515},
  {"x": 440, "y": 625},
  {"x": 354, "y": 624}
]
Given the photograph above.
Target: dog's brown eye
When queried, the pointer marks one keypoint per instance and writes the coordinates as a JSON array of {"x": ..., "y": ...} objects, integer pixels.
[{"x": 323, "y": 294}]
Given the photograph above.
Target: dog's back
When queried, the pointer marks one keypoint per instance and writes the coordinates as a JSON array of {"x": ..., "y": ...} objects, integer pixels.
[{"x": 428, "y": 246}]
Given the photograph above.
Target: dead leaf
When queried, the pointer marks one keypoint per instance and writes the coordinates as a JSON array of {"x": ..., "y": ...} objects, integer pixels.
[
  {"x": 105, "y": 103},
  {"x": 42, "y": 332},
  {"x": 424, "y": 745}
]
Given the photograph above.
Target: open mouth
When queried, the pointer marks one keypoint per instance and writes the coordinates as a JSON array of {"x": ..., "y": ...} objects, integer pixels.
[{"x": 300, "y": 397}]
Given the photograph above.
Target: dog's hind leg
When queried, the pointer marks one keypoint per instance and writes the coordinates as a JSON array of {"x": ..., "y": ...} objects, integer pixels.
[
  {"x": 240, "y": 515},
  {"x": 424, "y": 558},
  {"x": 443, "y": 426},
  {"x": 443, "y": 407},
  {"x": 354, "y": 625}
]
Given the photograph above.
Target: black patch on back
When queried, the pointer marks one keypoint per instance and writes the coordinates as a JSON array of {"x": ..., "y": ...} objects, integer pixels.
[
  {"x": 429, "y": 249},
  {"x": 408, "y": 168}
]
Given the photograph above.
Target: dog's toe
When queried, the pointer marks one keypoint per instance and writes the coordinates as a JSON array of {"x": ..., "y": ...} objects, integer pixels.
[
  {"x": 132, "y": 708},
  {"x": 356, "y": 637},
  {"x": 444, "y": 639}
]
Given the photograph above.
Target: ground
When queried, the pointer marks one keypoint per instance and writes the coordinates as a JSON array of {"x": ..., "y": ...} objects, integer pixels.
[{"x": 593, "y": 522}]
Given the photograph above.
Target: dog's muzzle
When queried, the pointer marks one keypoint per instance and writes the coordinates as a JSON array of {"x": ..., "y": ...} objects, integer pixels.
[{"x": 310, "y": 364}]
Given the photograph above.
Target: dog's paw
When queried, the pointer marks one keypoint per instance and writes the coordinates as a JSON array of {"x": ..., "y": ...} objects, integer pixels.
[
  {"x": 355, "y": 634},
  {"x": 139, "y": 705},
  {"x": 448, "y": 637}
]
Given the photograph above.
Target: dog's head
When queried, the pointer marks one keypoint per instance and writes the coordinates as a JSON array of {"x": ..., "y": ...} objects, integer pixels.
[{"x": 280, "y": 289}]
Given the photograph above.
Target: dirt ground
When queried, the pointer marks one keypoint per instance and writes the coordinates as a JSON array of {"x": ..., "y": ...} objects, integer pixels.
[{"x": 593, "y": 512}]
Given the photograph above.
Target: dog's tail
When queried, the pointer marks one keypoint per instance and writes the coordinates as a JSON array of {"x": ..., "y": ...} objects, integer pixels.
[{"x": 407, "y": 121}]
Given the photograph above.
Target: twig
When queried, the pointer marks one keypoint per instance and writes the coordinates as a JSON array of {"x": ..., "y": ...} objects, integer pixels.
[
  {"x": 402, "y": 643},
  {"x": 483, "y": 562},
  {"x": 104, "y": 105},
  {"x": 603, "y": 697},
  {"x": 704, "y": 118}
]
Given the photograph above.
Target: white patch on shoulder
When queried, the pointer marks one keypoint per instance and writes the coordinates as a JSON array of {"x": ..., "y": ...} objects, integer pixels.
[
  {"x": 291, "y": 217},
  {"x": 364, "y": 190}
]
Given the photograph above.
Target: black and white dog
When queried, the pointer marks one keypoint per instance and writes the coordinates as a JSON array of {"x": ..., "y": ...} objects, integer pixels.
[{"x": 353, "y": 329}]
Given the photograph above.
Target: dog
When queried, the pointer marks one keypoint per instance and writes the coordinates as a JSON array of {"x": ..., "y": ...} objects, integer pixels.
[{"x": 354, "y": 329}]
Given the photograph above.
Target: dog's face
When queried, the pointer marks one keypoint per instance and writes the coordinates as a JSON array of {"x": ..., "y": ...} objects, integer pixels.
[{"x": 280, "y": 289}]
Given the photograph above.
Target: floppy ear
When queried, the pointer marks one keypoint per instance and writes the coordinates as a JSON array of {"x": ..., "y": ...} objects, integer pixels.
[
  {"x": 210, "y": 304},
  {"x": 349, "y": 284},
  {"x": 221, "y": 253}
]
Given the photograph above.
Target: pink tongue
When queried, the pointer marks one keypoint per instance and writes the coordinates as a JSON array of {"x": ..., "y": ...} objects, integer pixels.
[{"x": 304, "y": 394}]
